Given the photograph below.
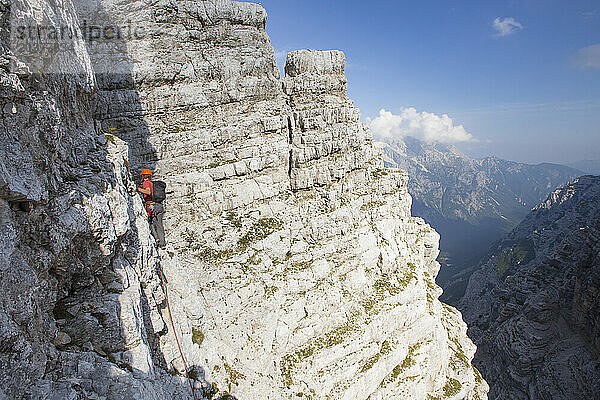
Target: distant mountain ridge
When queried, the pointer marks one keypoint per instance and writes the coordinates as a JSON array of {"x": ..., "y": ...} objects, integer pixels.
[
  {"x": 470, "y": 202},
  {"x": 532, "y": 306},
  {"x": 587, "y": 166}
]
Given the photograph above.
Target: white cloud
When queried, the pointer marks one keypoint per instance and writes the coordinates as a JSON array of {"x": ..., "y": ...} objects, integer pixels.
[
  {"x": 590, "y": 14},
  {"x": 506, "y": 26},
  {"x": 424, "y": 126},
  {"x": 588, "y": 57}
]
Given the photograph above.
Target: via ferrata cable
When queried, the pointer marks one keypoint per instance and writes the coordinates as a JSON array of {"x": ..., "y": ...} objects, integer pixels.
[{"x": 163, "y": 282}]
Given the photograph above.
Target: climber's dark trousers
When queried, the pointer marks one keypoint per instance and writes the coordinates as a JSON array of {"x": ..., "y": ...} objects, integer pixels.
[{"x": 156, "y": 225}]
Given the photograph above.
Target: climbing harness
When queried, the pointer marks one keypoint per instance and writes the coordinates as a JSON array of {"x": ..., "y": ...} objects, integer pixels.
[
  {"x": 150, "y": 209},
  {"x": 163, "y": 282}
]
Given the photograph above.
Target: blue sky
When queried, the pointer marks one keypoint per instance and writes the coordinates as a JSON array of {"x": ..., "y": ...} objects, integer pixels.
[{"x": 526, "y": 89}]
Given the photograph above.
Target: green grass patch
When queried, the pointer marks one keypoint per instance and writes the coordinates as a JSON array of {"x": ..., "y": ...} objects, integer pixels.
[
  {"x": 459, "y": 359},
  {"x": 258, "y": 231},
  {"x": 299, "y": 266},
  {"x": 210, "y": 254},
  {"x": 197, "y": 336},
  {"x": 234, "y": 375},
  {"x": 234, "y": 219},
  {"x": 176, "y": 129},
  {"x": 388, "y": 285},
  {"x": 328, "y": 340},
  {"x": 452, "y": 387},
  {"x": 372, "y": 204},
  {"x": 520, "y": 254},
  {"x": 216, "y": 164},
  {"x": 408, "y": 362},
  {"x": 379, "y": 173},
  {"x": 270, "y": 290},
  {"x": 385, "y": 349}
]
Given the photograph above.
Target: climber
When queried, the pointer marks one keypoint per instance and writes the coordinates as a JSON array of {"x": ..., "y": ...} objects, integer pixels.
[{"x": 153, "y": 201}]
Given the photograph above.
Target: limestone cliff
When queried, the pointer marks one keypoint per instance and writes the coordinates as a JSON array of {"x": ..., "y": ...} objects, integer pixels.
[
  {"x": 294, "y": 266},
  {"x": 532, "y": 307},
  {"x": 75, "y": 250}
]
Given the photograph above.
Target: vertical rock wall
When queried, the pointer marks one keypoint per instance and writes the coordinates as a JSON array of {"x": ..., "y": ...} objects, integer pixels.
[
  {"x": 294, "y": 267},
  {"x": 75, "y": 249},
  {"x": 532, "y": 307}
]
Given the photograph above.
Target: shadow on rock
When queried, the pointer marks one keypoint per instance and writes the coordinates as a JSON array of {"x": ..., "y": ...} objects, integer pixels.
[{"x": 74, "y": 316}]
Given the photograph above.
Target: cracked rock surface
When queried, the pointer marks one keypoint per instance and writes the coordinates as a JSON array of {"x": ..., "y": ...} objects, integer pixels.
[
  {"x": 532, "y": 308},
  {"x": 294, "y": 267}
]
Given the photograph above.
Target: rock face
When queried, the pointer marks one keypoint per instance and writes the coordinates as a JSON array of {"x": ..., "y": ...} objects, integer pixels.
[
  {"x": 532, "y": 308},
  {"x": 294, "y": 268},
  {"x": 471, "y": 203},
  {"x": 74, "y": 244}
]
